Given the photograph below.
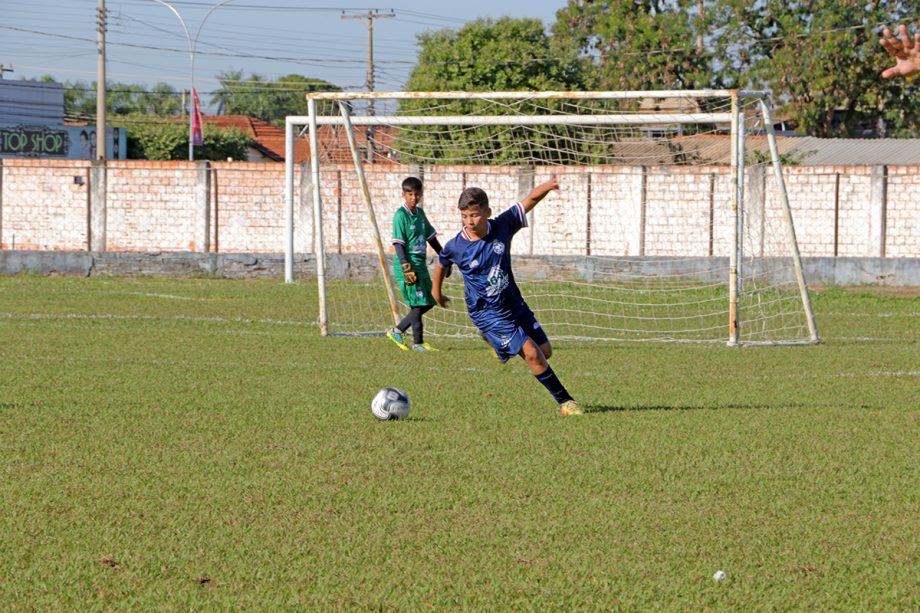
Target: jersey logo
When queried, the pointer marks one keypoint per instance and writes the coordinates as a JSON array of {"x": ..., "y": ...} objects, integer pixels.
[
  {"x": 498, "y": 281},
  {"x": 498, "y": 248},
  {"x": 474, "y": 264}
]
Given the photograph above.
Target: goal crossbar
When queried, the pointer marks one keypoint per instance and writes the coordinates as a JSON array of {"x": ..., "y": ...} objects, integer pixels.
[
  {"x": 597, "y": 95},
  {"x": 522, "y": 120},
  {"x": 732, "y": 121}
]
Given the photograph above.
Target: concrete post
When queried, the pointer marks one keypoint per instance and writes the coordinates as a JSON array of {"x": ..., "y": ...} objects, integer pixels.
[
  {"x": 878, "y": 211},
  {"x": 633, "y": 209},
  {"x": 97, "y": 205},
  {"x": 754, "y": 209},
  {"x": 526, "y": 181},
  {"x": 202, "y": 207},
  {"x": 643, "y": 205},
  {"x": 1, "y": 190},
  {"x": 303, "y": 212}
]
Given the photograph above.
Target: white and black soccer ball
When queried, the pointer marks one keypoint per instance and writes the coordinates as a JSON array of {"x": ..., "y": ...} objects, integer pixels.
[{"x": 390, "y": 403}]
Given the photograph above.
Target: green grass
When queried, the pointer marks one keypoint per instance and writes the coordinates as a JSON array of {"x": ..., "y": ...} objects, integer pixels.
[{"x": 195, "y": 443}]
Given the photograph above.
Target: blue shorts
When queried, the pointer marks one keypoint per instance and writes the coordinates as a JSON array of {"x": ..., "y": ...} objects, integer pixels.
[{"x": 507, "y": 329}]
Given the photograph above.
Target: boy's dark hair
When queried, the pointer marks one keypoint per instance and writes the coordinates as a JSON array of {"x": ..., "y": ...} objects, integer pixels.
[
  {"x": 412, "y": 184},
  {"x": 473, "y": 196}
]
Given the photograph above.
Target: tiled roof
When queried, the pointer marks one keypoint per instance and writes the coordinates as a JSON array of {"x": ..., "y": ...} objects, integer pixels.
[
  {"x": 803, "y": 150},
  {"x": 332, "y": 140},
  {"x": 267, "y": 139}
]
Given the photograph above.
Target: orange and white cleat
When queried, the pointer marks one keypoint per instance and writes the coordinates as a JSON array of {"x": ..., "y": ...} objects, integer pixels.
[{"x": 570, "y": 407}]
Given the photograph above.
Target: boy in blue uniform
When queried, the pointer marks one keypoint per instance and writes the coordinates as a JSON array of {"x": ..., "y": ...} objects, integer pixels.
[
  {"x": 412, "y": 233},
  {"x": 482, "y": 252}
]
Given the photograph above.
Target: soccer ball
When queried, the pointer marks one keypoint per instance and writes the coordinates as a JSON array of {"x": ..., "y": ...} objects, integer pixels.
[{"x": 390, "y": 403}]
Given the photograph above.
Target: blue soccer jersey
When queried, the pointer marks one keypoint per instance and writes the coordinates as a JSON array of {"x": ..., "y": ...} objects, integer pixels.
[
  {"x": 486, "y": 263},
  {"x": 493, "y": 299}
]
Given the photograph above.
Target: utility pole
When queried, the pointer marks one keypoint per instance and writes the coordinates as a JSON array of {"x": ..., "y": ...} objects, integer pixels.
[
  {"x": 371, "y": 16},
  {"x": 3, "y": 69},
  {"x": 100, "y": 81}
]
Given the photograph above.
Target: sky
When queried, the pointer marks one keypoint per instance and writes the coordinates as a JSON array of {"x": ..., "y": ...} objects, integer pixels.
[{"x": 146, "y": 43}]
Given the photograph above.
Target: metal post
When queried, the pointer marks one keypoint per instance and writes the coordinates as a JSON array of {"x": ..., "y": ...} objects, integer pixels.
[
  {"x": 370, "y": 16},
  {"x": 733, "y": 251},
  {"x": 790, "y": 228},
  {"x": 319, "y": 248},
  {"x": 288, "y": 201},
  {"x": 192, "y": 44},
  {"x": 369, "y": 206},
  {"x": 742, "y": 175}
]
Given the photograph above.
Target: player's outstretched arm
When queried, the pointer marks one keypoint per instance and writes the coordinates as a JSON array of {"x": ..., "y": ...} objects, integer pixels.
[
  {"x": 436, "y": 282},
  {"x": 436, "y": 245},
  {"x": 539, "y": 193},
  {"x": 905, "y": 51}
]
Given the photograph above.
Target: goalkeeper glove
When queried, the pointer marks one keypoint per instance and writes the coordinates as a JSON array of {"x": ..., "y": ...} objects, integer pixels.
[{"x": 409, "y": 274}]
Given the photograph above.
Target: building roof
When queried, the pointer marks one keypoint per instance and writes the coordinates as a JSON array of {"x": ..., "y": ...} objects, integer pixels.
[
  {"x": 703, "y": 149},
  {"x": 31, "y": 102},
  {"x": 266, "y": 138},
  {"x": 801, "y": 150},
  {"x": 856, "y": 151},
  {"x": 332, "y": 140}
]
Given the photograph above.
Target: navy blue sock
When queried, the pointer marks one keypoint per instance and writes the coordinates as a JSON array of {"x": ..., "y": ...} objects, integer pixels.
[{"x": 551, "y": 382}]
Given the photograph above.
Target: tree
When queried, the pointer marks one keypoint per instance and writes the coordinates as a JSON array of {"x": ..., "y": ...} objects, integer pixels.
[
  {"x": 822, "y": 58},
  {"x": 490, "y": 55},
  {"x": 152, "y": 138},
  {"x": 495, "y": 55},
  {"x": 269, "y": 101},
  {"x": 120, "y": 99},
  {"x": 640, "y": 44}
]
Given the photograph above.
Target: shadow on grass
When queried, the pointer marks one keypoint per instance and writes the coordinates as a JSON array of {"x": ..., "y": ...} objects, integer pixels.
[{"x": 600, "y": 408}]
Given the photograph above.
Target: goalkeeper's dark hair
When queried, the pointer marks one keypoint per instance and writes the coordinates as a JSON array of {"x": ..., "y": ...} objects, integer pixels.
[
  {"x": 473, "y": 196},
  {"x": 412, "y": 184}
]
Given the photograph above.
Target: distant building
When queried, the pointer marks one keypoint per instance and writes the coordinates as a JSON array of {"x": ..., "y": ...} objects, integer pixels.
[
  {"x": 268, "y": 140},
  {"x": 31, "y": 102},
  {"x": 32, "y": 125}
]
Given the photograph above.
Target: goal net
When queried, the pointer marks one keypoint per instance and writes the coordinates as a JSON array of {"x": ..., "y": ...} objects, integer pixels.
[{"x": 672, "y": 222}]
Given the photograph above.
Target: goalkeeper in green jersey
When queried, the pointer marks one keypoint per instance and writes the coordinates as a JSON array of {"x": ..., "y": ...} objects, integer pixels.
[{"x": 412, "y": 233}]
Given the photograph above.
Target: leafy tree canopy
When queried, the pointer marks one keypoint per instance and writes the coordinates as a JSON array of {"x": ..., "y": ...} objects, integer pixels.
[
  {"x": 821, "y": 58},
  {"x": 499, "y": 55},
  {"x": 120, "y": 99},
  {"x": 152, "y": 138},
  {"x": 267, "y": 100}
]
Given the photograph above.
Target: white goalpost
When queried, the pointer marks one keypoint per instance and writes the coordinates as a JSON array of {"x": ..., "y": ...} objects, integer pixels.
[{"x": 672, "y": 224}]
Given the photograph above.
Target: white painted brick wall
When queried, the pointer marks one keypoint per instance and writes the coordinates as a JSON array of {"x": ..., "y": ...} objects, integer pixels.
[{"x": 151, "y": 207}]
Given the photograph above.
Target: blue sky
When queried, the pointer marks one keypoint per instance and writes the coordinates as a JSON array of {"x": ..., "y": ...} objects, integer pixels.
[{"x": 146, "y": 43}]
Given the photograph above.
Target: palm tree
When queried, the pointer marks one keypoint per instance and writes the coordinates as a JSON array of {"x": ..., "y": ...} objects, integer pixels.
[{"x": 229, "y": 85}]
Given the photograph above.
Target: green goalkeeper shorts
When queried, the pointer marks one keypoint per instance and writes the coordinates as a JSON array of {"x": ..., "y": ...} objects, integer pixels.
[{"x": 420, "y": 293}]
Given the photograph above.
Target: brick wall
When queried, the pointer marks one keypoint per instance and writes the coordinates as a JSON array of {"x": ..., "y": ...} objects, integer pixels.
[
  {"x": 617, "y": 210},
  {"x": 150, "y": 206},
  {"x": 903, "y": 212},
  {"x": 247, "y": 207},
  {"x": 44, "y": 205}
]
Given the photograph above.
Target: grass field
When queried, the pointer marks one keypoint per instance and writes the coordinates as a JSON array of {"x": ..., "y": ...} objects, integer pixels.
[{"x": 194, "y": 443}]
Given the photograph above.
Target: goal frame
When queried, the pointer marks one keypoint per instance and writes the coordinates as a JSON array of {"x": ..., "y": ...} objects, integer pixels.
[{"x": 310, "y": 122}]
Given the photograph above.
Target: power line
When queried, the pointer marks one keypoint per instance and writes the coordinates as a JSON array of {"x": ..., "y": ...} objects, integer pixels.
[{"x": 370, "y": 16}]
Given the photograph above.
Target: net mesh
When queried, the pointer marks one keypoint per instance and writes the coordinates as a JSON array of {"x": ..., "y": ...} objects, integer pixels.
[{"x": 636, "y": 245}]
